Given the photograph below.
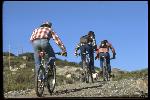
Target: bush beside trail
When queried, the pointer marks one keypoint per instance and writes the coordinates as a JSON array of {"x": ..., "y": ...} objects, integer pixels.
[{"x": 22, "y": 77}]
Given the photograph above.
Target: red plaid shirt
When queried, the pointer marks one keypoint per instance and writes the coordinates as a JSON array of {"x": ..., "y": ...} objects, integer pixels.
[{"x": 47, "y": 33}]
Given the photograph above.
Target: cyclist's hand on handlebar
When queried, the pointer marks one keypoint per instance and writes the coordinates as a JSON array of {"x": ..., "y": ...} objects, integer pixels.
[
  {"x": 64, "y": 53},
  {"x": 114, "y": 56},
  {"x": 75, "y": 54}
]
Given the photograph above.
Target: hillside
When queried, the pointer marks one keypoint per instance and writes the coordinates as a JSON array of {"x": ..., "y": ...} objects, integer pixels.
[{"x": 19, "y": 82}]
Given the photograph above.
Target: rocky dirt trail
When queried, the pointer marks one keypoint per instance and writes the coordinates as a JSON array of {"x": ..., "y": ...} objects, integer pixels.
[{"x": 122, "y": 88}]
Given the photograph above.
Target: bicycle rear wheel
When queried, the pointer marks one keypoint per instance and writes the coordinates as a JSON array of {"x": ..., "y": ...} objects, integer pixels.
[
  {"x": 85, "y": 76},
  {"x": 90, "y": 75},
  {"x": 39, "y": 82},
  {"x": 105, "y": 72},
  {"x": 51, "y": 79}
]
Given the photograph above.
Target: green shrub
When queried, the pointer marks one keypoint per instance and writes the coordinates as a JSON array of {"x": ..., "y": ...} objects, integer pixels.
[
  {"x": 23, "y": 79},
  {"x": 134, "y": 74}
]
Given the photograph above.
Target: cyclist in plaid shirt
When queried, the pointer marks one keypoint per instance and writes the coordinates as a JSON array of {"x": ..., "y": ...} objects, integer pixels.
[
  {"x": 40, "y": 40},
  {"x": 89, "y": 47}
]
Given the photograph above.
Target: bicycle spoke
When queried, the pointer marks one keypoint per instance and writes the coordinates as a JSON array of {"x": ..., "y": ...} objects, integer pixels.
[
  {"x": 39, "y": 83},
  {"x": 51, "y": 80}
]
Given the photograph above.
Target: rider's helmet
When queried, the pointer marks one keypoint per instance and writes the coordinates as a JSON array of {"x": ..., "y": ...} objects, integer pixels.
[
  {"x": 90, "y": 33},
  {"x": 46, "y": 24},
  {"x": 105, "y": 41}
]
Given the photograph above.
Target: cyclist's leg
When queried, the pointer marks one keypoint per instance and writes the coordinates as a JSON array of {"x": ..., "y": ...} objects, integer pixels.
[
  {"x": 36, "y": 46},
  {"x": 83, "y": 57},
  {"x": 82, "y": 50},
  {"x": 49, "y": 50},
  {"x": 92, "y": 59},
  {"x": 101, "y": 63},
  {"x": 108, "y": 63},
  {"x": 91, "y": 56}
]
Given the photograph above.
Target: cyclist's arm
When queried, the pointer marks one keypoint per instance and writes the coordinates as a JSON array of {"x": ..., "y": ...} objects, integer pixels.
[
  {"x": 77, "y": 47},
  {"x": 58, "y": 41},
  {"x": 112, "y": 49},
  {"x": 97, "y": 52},
  {"x": 94, "y": 42},
  {"x": 33, "y": 36}
]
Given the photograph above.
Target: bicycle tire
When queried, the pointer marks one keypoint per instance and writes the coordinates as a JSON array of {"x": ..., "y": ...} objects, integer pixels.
[
  {"x": 51, "y": 79},
  {"x": 105, "y": 71},
  {"x": 39, "y": 89},
  {"x": 107, "y": 74},
  {"x": 90, "y": 75},
  {"x": 85, "y": 75},
  {"x": 89, "y": 71}
]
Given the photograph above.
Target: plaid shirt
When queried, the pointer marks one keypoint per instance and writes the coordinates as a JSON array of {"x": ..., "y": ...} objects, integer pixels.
[
  {"x": 47, "y": 33},
  {"x": 93, "y": 43}
]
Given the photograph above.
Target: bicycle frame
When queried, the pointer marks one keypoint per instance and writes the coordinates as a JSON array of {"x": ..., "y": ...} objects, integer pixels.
[
  {"x": 86, "y": 67},
  {"x": 48, "y": 73},
  {"x": 87, "y": 59},
  {"x": 42, "y": 55},
  {"x": 105, "y": 69}
]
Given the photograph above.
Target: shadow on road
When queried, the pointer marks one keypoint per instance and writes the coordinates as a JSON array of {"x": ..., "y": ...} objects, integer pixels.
[{"x": 59, "y": 92}]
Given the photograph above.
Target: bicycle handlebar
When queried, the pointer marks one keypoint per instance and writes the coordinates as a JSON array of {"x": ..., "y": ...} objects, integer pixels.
[
  {"x": 112, "y": 58},
  {"x": 82, "y": 53},
  {"x": 58, "y": 53},
  {"x": 105, "y": 57},
  {"x": 79, "y": 54}
]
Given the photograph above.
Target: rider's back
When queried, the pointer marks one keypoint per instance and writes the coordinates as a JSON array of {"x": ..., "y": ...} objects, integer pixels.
[
  {"x": 104, "y": 47},
  {"x": 41, "y": 33}
]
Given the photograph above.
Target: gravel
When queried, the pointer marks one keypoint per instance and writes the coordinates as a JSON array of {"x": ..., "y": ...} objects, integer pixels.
[{"x": 122, "y": 88}]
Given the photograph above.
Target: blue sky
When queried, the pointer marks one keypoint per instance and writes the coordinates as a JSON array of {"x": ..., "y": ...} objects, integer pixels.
[{"x": 123, "y": 23}]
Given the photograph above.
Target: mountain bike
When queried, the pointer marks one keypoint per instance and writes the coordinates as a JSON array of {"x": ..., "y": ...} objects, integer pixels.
[
  {"x": 46, "y": 75},
  {"x": 106, "y": 76},
  {"x": 87, "y": 70}
]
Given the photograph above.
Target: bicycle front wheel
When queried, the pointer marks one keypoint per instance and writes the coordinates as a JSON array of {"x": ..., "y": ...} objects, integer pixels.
[
  {"x": 105, "y": 72},
  {"x": 51, "y": 79},
  {"x": 39, "y": 82}
]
